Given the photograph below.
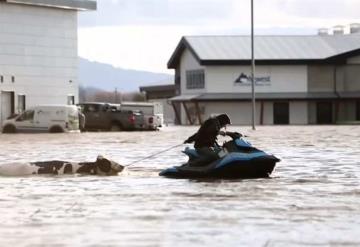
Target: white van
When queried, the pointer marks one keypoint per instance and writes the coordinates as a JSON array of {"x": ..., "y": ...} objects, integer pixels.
[{"x": 44, "y": 118}]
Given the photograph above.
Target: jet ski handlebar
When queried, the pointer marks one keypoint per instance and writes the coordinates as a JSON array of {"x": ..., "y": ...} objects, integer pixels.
[{"x": 233, "y": 135}]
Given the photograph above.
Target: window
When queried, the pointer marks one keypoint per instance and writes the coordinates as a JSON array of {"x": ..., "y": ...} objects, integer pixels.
[
  {"x": 21, "y": 103},
  {"x": 358, "y": 110},
  {"x": 26, "y": 116},
  {"x": 195, "y": 79},
  {"x": 71, "y": 100},
  {"x": 91, "y": 108},
  {"x": 1, "y": 78},
  {"x": 12, "y": 79}
]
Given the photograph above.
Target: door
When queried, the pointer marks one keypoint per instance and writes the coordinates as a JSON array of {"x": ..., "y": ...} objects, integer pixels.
[
  {"x": 7, "y": 105},
  {"x": 324, "y": 112},
  {"x": 281, "y": 112},
  {"x": 25, "y": 122},
  {"x": 95, "y": 116}
]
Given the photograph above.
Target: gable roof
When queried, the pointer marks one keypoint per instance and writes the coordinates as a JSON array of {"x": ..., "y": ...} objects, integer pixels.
[
  {"x": 236, "y": 50},
  {"x": 63, "y": 4}
]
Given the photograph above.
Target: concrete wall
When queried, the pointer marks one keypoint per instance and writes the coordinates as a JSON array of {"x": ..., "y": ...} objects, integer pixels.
[{"x": 38, "y": 47}]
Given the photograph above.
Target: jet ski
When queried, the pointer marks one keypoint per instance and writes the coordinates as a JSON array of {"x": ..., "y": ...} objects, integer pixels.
[{"x": 237, "y": 159}]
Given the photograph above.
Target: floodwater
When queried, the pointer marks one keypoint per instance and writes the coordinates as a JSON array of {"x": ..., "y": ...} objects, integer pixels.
[{"x": 312, "y": 199}]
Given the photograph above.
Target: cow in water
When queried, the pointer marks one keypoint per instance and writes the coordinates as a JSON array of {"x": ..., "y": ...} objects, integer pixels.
[{"x": 101, "y": 166}]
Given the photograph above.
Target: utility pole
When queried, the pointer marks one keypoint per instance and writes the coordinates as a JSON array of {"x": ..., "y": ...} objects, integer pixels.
[
  {"x": 253, "y": 67},
  {"x": 115, "y": 96}
]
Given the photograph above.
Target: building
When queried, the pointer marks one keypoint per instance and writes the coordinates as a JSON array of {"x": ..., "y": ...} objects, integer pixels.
[
  {"x": 161, "y": 94},
  {"x": 299, "y": 79},
  {"x": 38, "y": 53}
]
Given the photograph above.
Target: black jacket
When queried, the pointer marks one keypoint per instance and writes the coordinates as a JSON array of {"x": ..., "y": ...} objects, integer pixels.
[{"x": 206, "y": 135}]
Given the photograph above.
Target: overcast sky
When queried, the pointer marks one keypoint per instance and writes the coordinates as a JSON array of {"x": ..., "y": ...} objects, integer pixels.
[{"x": 142, "y": 34}]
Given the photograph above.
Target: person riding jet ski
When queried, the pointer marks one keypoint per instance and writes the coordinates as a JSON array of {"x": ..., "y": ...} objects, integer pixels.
[{"x": 205, "y": 139}]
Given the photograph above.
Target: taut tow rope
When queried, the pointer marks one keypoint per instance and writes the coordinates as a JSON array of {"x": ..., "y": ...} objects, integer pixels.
[{"x": 152, "y": 155}]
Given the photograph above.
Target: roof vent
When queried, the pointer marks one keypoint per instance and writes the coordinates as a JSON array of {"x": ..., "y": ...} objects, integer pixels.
[
  {"x": 338, "y": 30},
  {"x": 355, "y": 28},
  {"x": 323, "y": 31}
]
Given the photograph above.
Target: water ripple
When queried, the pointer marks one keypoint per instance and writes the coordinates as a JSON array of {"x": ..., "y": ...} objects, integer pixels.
[{"x": 312, "y": 198}]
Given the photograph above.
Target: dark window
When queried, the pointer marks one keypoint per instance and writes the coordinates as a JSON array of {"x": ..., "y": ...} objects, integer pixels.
[
  {"x": 324, "y": 112},
  {"x": 91, "y": 108},
  {"x": 358, "y": 110},
  {"x": 195, "y": 79},
  {"x": 71, "y": 100},
  {"x": 1, "y": 78},
  {"x": 26, "y": 116},
  {"x": 12, "y": 79},
  {"x": 21, "y": 103},
  {"x": 281, "y": 112}
]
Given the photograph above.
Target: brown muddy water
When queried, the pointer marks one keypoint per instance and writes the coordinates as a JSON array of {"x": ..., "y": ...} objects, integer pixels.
[{"x": 312, "y": 199}]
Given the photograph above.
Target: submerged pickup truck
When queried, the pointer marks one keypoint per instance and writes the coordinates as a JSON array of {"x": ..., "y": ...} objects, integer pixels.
[{"x": 105, "y": 116}]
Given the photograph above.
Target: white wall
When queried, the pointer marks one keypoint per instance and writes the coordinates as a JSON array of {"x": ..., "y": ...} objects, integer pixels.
[
  {"x": 221, "y": 79},
  {"x": 38, "y": 46},
  {"x": 240, "y": 113},
  {"x": 268, "y": 117},
  {"x": 283, "y": 78},
  {"x": 298, "y": 112},
  {"x": 189, "y": 62}
]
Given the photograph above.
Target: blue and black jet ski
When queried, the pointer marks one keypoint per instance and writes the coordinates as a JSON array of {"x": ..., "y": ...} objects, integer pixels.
[{"x": 239, "y": 159}]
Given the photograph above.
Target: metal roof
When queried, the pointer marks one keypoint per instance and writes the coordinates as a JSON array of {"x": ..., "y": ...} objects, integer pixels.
[
  {"x": 263, "y": 96},
  {"x": 208, "y": 49},
  {"x": 266, "y": 96},
  {"x": 63, "y": 4}
]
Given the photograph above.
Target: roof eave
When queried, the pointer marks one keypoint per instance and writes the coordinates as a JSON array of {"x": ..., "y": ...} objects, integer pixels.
[
  {"x": 344, "y": 56},
  {"x": 175, "y": 57},
  {"x": 263, "y": 62},
  {"x": 62, "y": 4}
]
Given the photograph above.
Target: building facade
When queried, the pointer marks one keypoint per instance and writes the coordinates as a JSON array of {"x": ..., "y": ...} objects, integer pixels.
[
  {"x": 298, "y": 79},
  {"x": 161, "y": 94},
  {"x": 38, "y": 53}
]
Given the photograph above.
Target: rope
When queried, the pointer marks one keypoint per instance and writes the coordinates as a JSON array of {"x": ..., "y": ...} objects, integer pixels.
[{"x": 152, "y": 155}]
